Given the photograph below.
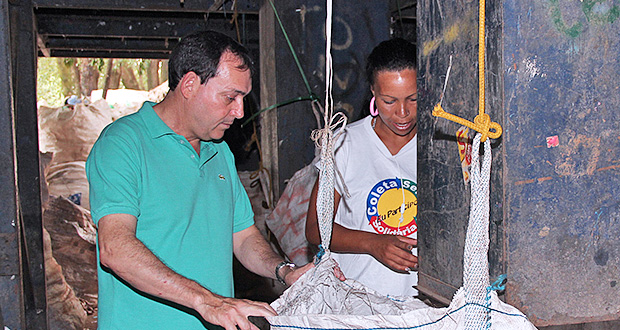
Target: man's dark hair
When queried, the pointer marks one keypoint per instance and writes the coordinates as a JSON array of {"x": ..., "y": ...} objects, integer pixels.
[
  {"x": 391, "y": 55},
  {"x": 200, "y": 53}
]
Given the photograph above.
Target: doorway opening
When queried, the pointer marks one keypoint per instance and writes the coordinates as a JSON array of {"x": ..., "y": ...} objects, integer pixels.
[{"x": 94, "y": 67}]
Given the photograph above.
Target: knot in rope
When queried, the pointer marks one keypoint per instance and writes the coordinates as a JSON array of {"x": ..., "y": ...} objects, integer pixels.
[
  {"x": 319, "y": 254},
  {"x": 486, "y": 127},
  {"x": 499, "y": 284},
  {"x": 321, "y": 134},
  {"x": 483, "y": 121},
  {"x": 318, "y": 135}
]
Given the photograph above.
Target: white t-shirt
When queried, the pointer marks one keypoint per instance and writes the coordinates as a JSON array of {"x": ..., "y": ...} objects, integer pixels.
[{"x": 373, "y": 177}]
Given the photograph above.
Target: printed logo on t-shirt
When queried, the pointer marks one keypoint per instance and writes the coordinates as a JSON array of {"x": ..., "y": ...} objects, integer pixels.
[{"x": 385, "y": 204}]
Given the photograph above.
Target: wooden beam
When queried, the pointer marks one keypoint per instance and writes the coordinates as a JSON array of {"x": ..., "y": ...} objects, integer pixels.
[
  {"x": 129, "y": 34},
  {"x": 246, "y": 6},
  {"x": 128, "y": 24},
  {"x": 23, "y": 55},
  {"x": 41, "y": 45},
  {"x": 10, "y": 281}
]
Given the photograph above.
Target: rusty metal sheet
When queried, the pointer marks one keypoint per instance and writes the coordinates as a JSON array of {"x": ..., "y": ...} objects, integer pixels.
[
  {"x": 553, "y": 82},
  {"x": 562, "y": 78}
]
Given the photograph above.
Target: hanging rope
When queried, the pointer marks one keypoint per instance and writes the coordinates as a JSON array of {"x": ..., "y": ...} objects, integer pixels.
[
  {"x": 325, "y": 195},
  {"x": 476, "y": 264},
  {"x": 482, "y": 123}
]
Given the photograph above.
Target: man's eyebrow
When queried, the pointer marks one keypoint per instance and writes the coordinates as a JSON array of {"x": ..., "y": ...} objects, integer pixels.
[{"x": 236, "y": 91}]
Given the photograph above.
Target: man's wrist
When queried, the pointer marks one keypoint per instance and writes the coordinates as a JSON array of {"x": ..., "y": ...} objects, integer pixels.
[{"x": 283, "y": 269}]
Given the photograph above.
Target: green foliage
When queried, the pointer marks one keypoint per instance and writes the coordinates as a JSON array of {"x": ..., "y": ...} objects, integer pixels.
[
  {"x": 99, "y": 63},
  {"x": 49, "y": 80},
  {"x": 70, "y": 61},
  {"x": 142, "y": 67},
  {"x": 139, "y": 68},
  {"x": 49, "y": 84}
]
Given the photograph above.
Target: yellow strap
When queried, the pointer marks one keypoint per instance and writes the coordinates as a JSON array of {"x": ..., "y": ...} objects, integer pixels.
[{"x": 482, "y": 123}]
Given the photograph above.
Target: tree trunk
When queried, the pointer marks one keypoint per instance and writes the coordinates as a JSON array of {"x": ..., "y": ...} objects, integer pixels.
[
  {"x": 115, "y": 75},
  {"x": 129, "y": 78},
  {"x": 163, "y": 73},
  {"x": 152, "y": 77},
  {"x": 76, "y": 75},
  {"x": 89, "y": 76},
  {"x": 108, "y": 76},
  {"x": 68, "y": 77}
]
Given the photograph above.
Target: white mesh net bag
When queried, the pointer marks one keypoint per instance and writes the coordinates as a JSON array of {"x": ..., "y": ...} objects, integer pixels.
[{"x": 319, "y": 300}]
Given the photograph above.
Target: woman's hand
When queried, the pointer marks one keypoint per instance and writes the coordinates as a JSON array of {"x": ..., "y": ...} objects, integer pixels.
[{"x": 394, "y": 251}]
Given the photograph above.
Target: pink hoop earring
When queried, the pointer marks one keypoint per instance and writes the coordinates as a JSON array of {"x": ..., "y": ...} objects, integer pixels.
[{"x": 373, "y": 110}]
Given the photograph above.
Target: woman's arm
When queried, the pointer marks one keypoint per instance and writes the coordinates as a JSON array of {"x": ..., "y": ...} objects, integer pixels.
[{"x": 391, "y": 250}]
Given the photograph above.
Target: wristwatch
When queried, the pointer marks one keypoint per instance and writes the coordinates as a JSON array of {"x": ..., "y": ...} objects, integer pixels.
[{"x": 285, "y": 263}]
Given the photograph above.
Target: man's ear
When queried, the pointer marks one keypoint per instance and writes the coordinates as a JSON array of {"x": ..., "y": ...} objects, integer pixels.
[{"x": 189, "y": 84}]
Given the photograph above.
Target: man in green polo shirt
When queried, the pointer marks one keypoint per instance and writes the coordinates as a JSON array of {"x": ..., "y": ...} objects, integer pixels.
[{"x": 169, "y": 206}]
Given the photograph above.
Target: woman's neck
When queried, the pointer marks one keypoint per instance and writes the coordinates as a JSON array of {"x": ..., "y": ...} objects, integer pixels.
[{"x": 392, "y": 141}]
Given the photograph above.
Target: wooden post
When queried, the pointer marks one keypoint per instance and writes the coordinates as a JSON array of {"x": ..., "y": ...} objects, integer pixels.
[
  {"x": 11, "y": 299},
  {"x": 29, "y": 221},
  {"x": 268, "y": 95}
]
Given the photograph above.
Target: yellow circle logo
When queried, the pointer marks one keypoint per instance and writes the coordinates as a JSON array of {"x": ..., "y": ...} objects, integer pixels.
[{"x": 392, "y": 209}]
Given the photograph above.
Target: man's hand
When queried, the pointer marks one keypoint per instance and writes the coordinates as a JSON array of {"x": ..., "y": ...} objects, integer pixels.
[
  {"x": 231, "y": 313},
  {"x": 395, "y": 252},
  {"x": 292, "y": 276}
]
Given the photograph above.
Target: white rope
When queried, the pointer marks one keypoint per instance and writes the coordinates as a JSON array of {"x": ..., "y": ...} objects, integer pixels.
[
  {"x": 476, "y": 263},
  {"x": 329, "y": 73},
  {"x": 325, "y": 196}
]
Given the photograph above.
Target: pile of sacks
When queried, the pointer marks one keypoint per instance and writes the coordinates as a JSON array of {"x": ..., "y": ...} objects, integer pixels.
[{"x": 66, "y": 136}]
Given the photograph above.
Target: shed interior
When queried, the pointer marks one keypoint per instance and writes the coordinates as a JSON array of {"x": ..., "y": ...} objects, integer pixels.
[{"x": 553, "y": 70}]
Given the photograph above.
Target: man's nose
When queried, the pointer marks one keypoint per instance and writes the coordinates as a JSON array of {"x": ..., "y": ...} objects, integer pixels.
[{"x": 237, "y": 109}]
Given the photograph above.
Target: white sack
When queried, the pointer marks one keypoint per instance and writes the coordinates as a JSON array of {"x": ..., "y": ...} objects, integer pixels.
[{"x": 319, "y": 300}]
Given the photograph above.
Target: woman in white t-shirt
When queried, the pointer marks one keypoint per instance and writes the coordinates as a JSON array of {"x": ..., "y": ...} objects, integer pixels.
[{"x": 374, "y": 236}]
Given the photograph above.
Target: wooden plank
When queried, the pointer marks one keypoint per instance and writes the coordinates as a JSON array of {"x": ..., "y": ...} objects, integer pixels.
[
  {"x": 112, "y": 24},
  {"x": 130, "y": 34},
  {"x": 103, "y": 53}
]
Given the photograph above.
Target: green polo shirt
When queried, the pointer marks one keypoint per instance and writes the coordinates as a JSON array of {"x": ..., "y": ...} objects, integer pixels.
[{"x": 188, "y": 206}]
